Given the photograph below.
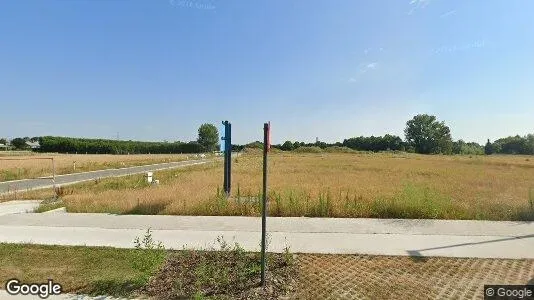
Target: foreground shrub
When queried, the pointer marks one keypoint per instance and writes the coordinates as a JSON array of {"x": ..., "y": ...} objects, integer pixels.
[{"x": 149, "y": 256}]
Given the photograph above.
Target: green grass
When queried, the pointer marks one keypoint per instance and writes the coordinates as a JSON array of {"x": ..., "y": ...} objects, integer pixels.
[
  {"x": 416, "y": 202},
  {"x": 312, "y": 149},
  {"x": 91, "y": 270},
  {"x": 149, "y": 269},
  {"x": 337, "y": 149},
  {"x": 44, "y": 207}
]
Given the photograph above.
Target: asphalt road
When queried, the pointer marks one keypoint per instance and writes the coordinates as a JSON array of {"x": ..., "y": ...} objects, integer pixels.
[{"x": 33, "y": 184}]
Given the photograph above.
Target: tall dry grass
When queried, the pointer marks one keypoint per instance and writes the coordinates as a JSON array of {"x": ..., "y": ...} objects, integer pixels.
[
  {"x": 33, "y": 166},
  {"x": 330, "y": 185}
]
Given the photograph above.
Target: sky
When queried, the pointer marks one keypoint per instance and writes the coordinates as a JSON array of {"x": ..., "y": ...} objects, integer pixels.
[{"x": 156, "y": 69}]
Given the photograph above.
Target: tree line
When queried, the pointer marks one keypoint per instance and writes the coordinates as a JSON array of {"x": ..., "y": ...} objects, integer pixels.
[
  {"x": 511, "y": 145},
  {"x": 208, "y": 139},
  {"x": 423, "y": 134},
  {"x": 426, "y": 135},
  {"x": 104, "y": 146}
]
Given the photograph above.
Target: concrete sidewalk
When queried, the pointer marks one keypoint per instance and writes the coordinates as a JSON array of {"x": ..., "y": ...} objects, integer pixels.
[
  {"x": 482, "y": 239},
  {"x": 5, "y": 295},
  {"x": 18, "y": 207}
]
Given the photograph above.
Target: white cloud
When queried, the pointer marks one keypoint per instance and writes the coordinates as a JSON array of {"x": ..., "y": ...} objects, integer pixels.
[
  {"x": 368, "y": 67},
  {"x": 418, "y": 4},
  {"x": 448, "y": 14},
  {"x": 370, "y": 50},
  {"x": 421, "y": 3},
  {"x": 364, "y": 68},
  {"x": 456, "y": 48},
  {"x": 372, "y": 65}
]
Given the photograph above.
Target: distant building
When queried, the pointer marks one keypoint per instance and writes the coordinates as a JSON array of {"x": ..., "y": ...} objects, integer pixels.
[
  {"x": 33, "y": 145},
  {"x": 4, "y": 147}
]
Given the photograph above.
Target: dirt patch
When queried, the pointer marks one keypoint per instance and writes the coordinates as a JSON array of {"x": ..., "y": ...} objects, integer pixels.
[{"x": 227, "y": 274}]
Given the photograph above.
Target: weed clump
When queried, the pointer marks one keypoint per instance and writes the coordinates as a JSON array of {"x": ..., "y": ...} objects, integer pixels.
[
  {"x": 415, "y": 202},
  {"x": 149, "y": 255}
]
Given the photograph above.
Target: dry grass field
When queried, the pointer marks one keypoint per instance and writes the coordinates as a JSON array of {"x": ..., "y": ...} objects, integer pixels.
[
  {"x": 384, "y": 185},
  {"x": 32, "y": 165}
]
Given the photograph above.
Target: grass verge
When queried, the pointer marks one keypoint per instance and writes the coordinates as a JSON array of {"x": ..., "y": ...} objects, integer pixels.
[
  {"x": 88, "y": 270},
  {"x": 150, "y": 270}
]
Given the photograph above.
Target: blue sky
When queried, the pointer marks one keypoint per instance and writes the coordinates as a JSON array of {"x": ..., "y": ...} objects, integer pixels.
[{"x": 157, "y": 69}]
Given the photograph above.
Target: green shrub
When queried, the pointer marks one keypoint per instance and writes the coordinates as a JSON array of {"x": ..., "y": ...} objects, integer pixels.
[
  {"x": 337, "y": 149},
  {"x": 312, "y": 149},
  {"x": 149, "y": 256}
]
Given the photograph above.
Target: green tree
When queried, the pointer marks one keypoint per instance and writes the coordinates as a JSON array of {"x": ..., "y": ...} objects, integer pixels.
[
  {"x": 256, "y": 144},
  {"x": 458, "y": 147},
  {"x": 530, "y": 144},
  {"x": 427, "y": 135},
  {"x": 3, "y": 141},
  {"x": 208, "y": 137},
  {"x": 489, "y": 149},
  {"x": 287, "y": 146},
  {"x": 19, "y": 143}
]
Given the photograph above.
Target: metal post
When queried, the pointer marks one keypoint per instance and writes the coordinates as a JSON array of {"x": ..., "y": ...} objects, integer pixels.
[
  {"x": 54, "y": 174},
  {"x": 229, "y": 150},
  {"x": 225, "y": 182},
  {"x": 264, "y": 203}
]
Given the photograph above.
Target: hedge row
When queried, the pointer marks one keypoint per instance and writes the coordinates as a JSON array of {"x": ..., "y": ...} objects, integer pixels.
[{"x": 101, "y": 146}]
